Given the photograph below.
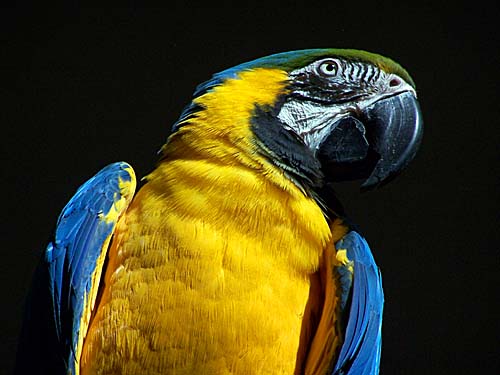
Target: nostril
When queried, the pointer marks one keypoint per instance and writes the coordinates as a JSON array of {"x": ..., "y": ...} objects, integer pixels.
[{"x": 394, "y": 82}]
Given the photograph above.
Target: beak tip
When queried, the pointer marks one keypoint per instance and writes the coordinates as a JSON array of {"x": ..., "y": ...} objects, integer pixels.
[
  {"x": 377, "y": 146},
  {"x": 400, "y": 139}
]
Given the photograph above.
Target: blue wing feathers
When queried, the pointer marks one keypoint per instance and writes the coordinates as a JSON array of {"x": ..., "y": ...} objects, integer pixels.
[
  {"x": 360, "y": 353},
  {"x": 82, "y": 233},
  {"x": 72, "y": 257}
]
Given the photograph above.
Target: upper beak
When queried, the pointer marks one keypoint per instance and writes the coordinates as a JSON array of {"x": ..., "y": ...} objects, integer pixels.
[{"x": 376, "y": 144}]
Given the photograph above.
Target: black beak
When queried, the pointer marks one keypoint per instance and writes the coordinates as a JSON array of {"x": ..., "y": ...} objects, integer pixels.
[{"x": 376, "y": 144}]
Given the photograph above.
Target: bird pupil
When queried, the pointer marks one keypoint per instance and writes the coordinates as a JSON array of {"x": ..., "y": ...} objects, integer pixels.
[
  {"x": 329, "y": 67},
  {"x": 394, "y": 82}
]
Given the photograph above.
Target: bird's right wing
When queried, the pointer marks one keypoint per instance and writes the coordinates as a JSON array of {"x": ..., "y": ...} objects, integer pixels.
[{"x": 72, "y": 267}]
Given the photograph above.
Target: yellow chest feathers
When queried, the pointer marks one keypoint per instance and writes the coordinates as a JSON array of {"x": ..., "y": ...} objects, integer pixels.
[{"x": 210, "y": 270}]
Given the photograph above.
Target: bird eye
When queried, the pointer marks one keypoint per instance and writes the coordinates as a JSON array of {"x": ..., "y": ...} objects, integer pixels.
[{"x": 328, "y": 68}]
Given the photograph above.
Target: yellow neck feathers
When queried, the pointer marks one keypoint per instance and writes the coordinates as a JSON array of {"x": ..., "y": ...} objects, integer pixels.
[
  {"x": 214, "y": 155},
  {"x": 219, "y": 249},
  {"x": 221, "y": 131}
]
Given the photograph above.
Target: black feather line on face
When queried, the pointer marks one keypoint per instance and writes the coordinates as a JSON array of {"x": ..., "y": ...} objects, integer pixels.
[
  {"x": 284, "y": 148},
  {"x": 319, "y": 90},
  {"x": 308, "y": 84}
]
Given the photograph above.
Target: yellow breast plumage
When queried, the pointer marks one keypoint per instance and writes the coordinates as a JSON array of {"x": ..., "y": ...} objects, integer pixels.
[
  {"x": 210, "y": 271},
  {"x": 225, "y": 261}
]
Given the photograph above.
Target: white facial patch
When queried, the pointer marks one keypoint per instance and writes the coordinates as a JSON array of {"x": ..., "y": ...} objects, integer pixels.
[
  {"x": 357, "y": 85},
  {"x": 312, "y": 122}
]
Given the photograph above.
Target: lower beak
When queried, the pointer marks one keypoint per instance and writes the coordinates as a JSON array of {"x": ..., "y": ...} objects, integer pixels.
[{"x": 376, "y": 145}]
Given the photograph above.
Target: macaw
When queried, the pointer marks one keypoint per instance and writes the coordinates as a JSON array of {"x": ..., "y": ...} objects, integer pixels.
[{"x": 235, "y": 256}]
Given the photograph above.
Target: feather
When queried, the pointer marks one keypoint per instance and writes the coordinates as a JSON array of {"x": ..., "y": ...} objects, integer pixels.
[
  {"x": 76, "y": 254},
  {"x": 360, "y": 352}
]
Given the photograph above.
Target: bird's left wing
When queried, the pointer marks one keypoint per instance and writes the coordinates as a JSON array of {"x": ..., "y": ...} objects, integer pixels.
[
  {"x": 361, "y": 302},
  {"x": 76, "y": 255}
]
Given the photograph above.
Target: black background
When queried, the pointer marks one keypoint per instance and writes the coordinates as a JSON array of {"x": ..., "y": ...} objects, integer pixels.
[{"x": 84, "y": 88}]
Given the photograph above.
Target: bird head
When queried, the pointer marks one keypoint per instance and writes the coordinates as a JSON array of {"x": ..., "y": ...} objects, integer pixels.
[{"x": 320, "y": 115}]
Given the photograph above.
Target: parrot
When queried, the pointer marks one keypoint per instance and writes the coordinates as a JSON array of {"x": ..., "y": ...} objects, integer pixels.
[{"x": 235, "y": 255}]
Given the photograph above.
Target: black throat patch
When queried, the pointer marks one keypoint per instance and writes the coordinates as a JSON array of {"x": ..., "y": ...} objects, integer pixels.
[{"x": 285, "y": 149}]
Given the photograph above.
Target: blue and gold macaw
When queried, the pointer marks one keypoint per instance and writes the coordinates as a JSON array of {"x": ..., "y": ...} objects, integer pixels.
[{"x": 234, "y": 257}]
